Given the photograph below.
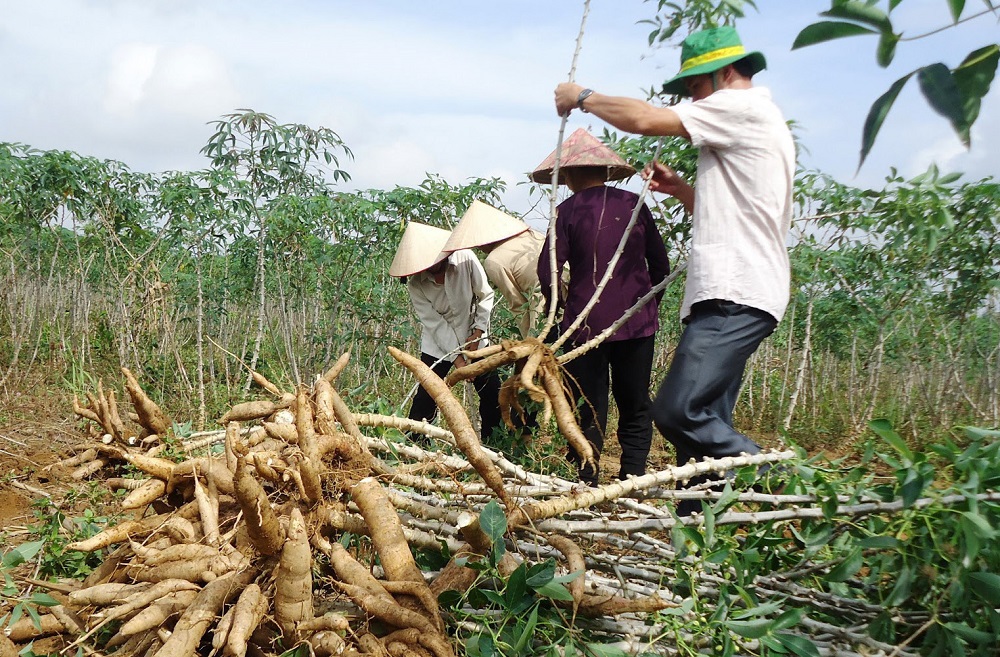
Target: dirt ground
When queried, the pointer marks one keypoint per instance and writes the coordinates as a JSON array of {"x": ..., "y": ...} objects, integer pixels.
[{"x": 36, "y": 425}]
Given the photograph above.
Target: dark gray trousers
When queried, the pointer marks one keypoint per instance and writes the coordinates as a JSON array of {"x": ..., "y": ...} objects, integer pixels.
[{"x": 694, "y": 406}]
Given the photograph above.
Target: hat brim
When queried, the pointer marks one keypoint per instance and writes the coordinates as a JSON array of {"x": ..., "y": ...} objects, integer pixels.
[
  {"x": 615, "y": 172},
  {"x": 419, "y": 249},
  {"x": 676, "y": 86}
]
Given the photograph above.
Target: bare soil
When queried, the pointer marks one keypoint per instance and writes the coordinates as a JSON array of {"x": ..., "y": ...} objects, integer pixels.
[{"x": 37, "y": 427}]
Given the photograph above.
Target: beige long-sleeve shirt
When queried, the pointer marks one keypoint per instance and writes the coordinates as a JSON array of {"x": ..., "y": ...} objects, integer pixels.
[
  {"x": 512, "y": 268},
  {"x": 449, "y": 312}
]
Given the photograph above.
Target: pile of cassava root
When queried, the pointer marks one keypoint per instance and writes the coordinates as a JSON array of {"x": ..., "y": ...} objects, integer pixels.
[{"x": 237, "y": 539}]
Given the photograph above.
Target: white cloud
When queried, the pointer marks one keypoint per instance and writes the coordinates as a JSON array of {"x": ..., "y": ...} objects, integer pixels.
[
  {"x": 451, "y": 87},
  {"x": 132, "y": 65},
  {"x": 191, "y": 81}
]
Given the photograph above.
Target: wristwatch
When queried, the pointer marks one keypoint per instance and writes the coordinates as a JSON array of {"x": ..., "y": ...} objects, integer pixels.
[{"x": 584, "y": 95}]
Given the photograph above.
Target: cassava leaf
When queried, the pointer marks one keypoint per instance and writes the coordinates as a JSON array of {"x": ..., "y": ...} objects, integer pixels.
[
  {"x": 974, "y": 77},
  {"x": 901, "y": 591},
  {"x": 885, "y": 431},
  {"x": 555, "y": 591},
  {"x": 493, "y": 521},
  {"x": 23, "y": 552},
  {"x": 956, "y": 7},
  {"x": 750, "y": 629},
  {"x": 861, "y": 12},
  {"x": 828, "y": 31},
  {"x": 797, "y": 644},
  {"x": 986, "y": 586},
  {"x": 886, "y": 48},
  {"x": 942, "y": 93},
  {"x": 846, "y": 569},
  {"x": 604, "y": 650},
  {"x": 876, "y": 116}
]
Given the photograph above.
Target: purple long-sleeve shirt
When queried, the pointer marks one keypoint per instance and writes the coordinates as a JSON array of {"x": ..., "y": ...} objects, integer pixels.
[{"x": 589, "y": 228}]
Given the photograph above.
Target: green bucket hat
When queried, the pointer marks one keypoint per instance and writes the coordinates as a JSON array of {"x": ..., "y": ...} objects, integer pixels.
[{"x": 707, "y": 51}]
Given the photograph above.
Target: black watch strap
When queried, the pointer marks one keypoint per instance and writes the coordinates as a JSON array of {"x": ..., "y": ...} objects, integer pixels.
[{"x": 584, "y": 95}]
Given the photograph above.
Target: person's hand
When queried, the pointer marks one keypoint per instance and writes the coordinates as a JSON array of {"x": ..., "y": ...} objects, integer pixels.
[
  {"x": 566, "y": 95},
  {"x": 472, "y": 342},
  {"x": 662, "y": 178},
  {"x": 460, "y": 361},
  {"x": 665, "y": 180}
]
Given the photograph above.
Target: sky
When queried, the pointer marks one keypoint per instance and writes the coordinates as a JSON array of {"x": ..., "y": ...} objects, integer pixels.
[{"x": 458, "y": 88}]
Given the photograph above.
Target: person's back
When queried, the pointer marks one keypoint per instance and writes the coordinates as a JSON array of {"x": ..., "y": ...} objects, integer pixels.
[
  {"x": 743, "y": 200},
  {"x": 589, "y": 229}
]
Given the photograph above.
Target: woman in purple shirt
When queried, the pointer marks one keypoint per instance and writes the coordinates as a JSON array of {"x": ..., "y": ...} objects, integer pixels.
[{"x": 589, "y": 228}]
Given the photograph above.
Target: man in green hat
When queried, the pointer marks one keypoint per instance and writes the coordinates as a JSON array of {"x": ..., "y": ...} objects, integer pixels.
[{"x": 738, "y": 274}]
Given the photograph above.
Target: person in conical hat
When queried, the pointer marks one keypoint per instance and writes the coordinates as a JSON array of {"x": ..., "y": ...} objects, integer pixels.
[
  {"x": 590, "y": 225},
  {"x": 512, "y": 249},
  {"x": 453, "y": 302},
  {"x": 582, "y": 150},
  {"x": 738, "y": 275}
]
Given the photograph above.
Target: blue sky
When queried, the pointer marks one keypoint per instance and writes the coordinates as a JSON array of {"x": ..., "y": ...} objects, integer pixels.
[{"x": 461, "y": 88}]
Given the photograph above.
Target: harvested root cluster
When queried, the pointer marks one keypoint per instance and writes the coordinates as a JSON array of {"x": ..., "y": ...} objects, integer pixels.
[{"x": 269, "y": 540}]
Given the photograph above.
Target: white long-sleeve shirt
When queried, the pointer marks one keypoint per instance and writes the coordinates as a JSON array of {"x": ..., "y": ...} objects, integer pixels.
[{"x": 450, "y": 311}]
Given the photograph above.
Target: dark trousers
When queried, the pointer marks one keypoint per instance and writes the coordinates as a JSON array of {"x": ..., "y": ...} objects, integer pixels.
[
  {"x": 630, "y": 364},
  {"x": 694, "y": 406},
  {"x": 487, "y": 385}
]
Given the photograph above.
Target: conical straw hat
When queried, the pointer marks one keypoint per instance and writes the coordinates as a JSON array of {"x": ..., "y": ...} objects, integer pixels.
[
  {"x": 582, "y": 149},
  {"x": 419, "y": 249},
  {"x": 483, "y": 224}
]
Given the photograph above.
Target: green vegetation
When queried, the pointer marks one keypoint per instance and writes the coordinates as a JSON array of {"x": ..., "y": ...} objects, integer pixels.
[{"x": 892, "y": 339}]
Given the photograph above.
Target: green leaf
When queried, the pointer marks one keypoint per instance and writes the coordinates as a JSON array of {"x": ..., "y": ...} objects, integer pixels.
[
  {"x": 603, "y": 650},
  {"x": 901, "y": 591},
  {"x": 555, "y": 591},
  {"x": 567, "y": 578},
  {"x": 885, "y": 431},
  {"x": 942, "y": 93},
  {"x": 860, "y": 12},
  {"x": 450, "y": 599},
  {"x": 883, "y": 627},
  {"x": 986, "y": 586},
  {"x": 828, "y": 31},
  {"x": 21, "y": 553},
  {"x": 750, "y": 629},
  {"x": 879, "y": 543},
  {"x": 797, "y": 644},
  {"x": 956, "y": 7},
  {"x": 977, "y": 433},
  {"x": 886, "y": 48},
  {"x": 495, "y": 598},
  {"x": 876, "y": 116},
  {"x": 972, "y": 635},
  {"x": 43, "y": 599},
  {"x": 516, "y": 586},
  {"x": 493, "y": 521},
  {"x": 481, "y": 645},
  {"x": 847, "y": 568},
  {"x": 981, "y": 524},
  {"x": 15, "y": 614},
  {"x": 541, "y": 574},
  {"x": 758, "y": 611},
  {"x": 974, "y": 77},
  {"x": 788, "y": 619},
  {"x": 529, "y": 629}
]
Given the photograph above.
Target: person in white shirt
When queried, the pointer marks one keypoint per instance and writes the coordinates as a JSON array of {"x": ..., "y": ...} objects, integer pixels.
[
  {"x": 453, "y": 302},
  {"x": 512, "y": 250},
  {"x": 738, "y": 273}
]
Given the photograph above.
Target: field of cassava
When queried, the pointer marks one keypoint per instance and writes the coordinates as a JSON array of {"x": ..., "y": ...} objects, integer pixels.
[{"x": 202, "y": 438}]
